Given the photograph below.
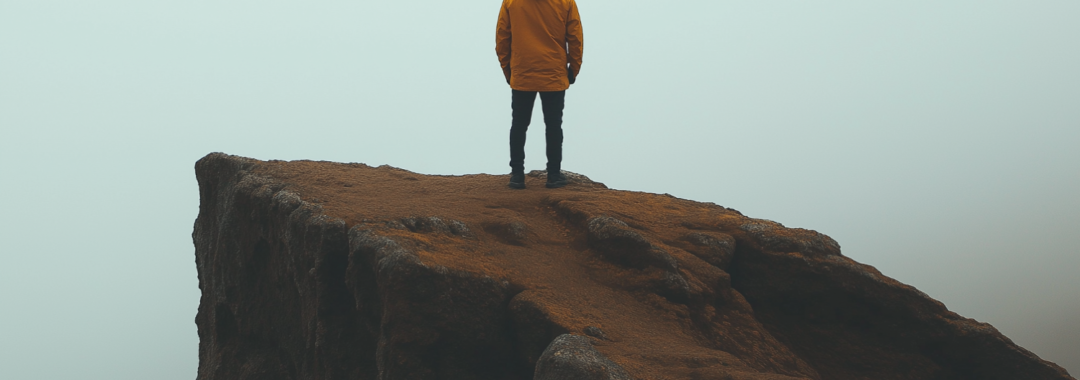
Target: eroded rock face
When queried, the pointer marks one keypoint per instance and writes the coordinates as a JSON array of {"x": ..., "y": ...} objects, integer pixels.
[{"x": 315, "y": 270}]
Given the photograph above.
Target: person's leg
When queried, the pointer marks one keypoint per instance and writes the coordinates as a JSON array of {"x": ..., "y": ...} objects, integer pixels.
[
  {"x": 521, "y": 103},
  {"x": 552, "y": 103}
]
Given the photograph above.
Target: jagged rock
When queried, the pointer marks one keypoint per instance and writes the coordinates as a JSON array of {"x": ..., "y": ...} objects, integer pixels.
[
  {"x": 571, "y": 177},
  {"x": 716, "y": 249},
  {"x": 626, "y": 246},
  {"x": 317, "y": 270},
  {"x": 596, "y": 332},
  {"x": 617, "y": 242},
  {"x": 572, "y": 357}
]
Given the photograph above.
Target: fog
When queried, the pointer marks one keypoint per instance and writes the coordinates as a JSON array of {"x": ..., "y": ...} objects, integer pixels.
[{"x": 936, "y": 141}]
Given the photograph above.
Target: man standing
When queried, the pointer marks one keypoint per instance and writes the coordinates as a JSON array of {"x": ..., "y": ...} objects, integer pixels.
[{"x": 539, "y": 45}]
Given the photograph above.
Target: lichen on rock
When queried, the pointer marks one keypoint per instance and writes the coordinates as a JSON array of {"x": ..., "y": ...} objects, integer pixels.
[{"x": 572, "y": 357}]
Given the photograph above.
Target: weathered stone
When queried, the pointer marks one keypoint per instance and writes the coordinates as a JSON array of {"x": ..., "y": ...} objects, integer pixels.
[
  {"x": 621, "y": 244},
  {"x": 315, "y": 270},
  {"x": 715, "y": 248},
  {"x": 572, "y": 357}
]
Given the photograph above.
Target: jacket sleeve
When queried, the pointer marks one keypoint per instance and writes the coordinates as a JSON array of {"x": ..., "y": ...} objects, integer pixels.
[
  {"x": 574, "y": 39},
  {"x": 502, "y": 40}
]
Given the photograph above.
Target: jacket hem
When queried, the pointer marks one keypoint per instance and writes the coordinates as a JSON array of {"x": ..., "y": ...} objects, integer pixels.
[{"x": 551, "y": 89}]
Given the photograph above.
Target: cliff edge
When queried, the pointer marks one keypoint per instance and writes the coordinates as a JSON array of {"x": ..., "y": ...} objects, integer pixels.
[{"x": 319, "y": 270}]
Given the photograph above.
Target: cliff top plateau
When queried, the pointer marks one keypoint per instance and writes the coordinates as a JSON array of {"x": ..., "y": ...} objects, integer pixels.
[{"x": 320, "y": 270}]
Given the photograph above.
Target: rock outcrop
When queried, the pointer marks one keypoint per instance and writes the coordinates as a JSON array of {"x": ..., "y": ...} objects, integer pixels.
[
  {"x": 317, "y": 270},
  {"x": 572, "y": 357}
]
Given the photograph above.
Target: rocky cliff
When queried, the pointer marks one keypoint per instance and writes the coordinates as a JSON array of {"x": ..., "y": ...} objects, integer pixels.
[{"x": 318, "y": 270}]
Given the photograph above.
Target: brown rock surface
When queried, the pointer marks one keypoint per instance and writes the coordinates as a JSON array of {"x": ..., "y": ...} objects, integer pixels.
[{"x": 318, "y": 270}]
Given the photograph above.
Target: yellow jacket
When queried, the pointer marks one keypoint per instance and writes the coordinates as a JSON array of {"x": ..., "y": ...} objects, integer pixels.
[{"x": 535, "y": 40}]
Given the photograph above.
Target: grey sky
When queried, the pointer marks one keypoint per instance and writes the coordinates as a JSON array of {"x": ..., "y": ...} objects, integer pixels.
[{"x": 937, "y": 141}]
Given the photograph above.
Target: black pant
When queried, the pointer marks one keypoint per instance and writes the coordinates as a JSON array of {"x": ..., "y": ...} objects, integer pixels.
[{"x": 522, "y": 104}]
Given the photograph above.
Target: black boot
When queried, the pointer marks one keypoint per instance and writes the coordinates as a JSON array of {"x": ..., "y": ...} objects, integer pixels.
[
  {"x": 517, "y": 180},
  {"x": 555, "y": 179}
]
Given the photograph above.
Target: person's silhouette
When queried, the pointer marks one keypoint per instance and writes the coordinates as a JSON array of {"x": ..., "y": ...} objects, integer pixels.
[{"x": 539, "y": 44}]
